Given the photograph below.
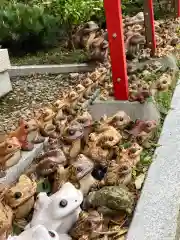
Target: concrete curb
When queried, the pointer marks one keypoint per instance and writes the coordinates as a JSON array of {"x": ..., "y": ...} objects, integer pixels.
[
  {"x": 25, "y": 70},
  {"x": 157, "y": 212},
  {"x": 15, "y": 71},
  {"x": 146, "y": 111},
  {"x": 90, "y": 101}
]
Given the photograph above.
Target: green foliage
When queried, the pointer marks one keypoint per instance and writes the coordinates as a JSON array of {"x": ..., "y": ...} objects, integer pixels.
[
  {"x": 35, "y": 24},
  {"x": 72, "y": 12},
  {"x": 43, "y": 22},
  {"x": 131, "y": 7},
  {"x": 43, "y": 186},
  {"x": 22, "y": 24}
]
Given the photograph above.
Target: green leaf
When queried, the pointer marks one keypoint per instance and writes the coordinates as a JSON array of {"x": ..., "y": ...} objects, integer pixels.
[
  {"x": 150, "y": 99},
  {"x": 43, "y": 186},
  {"x": 156, "y": 145},
  {"x": 134, "y": 173},
  {"x": 16, "y": 230},
  {"x": 126, "y": 145}
]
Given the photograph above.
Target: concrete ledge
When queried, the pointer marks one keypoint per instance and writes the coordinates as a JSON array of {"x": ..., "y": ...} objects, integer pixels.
[
  {"x": 146, "y": 111},
  {"x": 51, "y": 69},
  {"x": 14, "y": 172},
  {"x": 157, "y": 213},
  {"x": 5, "y": 83},
  {"x": 4, "y": 60},
  {"x": 92, "y": 98},
  {"x": 15, "y": 71}
]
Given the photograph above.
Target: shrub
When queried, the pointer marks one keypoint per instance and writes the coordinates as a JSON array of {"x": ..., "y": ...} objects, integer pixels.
[
  {"x": 73, "y": 12},
  {"x": 27, "y": 27},
  {"x": 35, "y": 24}
]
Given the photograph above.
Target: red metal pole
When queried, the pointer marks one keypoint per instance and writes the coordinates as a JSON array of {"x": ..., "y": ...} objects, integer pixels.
[
  {"x": 117, "y": 49},
  {"x": 149, "y": 25},
  {"x": 177, "y": 6}
]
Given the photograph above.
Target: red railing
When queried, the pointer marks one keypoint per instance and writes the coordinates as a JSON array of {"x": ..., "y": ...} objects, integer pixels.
[
  {"x": 117, "y": 49},
  {"x": 177, "y": 7},
  {"x": 116, "y": 41}
]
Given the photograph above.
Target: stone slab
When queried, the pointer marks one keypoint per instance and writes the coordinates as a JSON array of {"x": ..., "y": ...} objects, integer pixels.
[
  {"x": 4, "y": 60},
  {"x": 5, "y": 83},
  {"x": 146, "y": 111},
  {"x": 169, "y": 61},
  {"x": 157, "y": 213},
  {"x": 15, "y": 71},
  {"x": 14, "y": 172},
  {"x": 50, "y": 69}
]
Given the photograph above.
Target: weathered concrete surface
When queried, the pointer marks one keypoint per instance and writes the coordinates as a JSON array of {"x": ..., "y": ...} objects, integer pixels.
[
  {"x": 4, "y": 60},
  {"x": 169, "y": 61},
  {"x": 51, "y": 69},
  {"x": 92, "y": 98},
  {"x": 5, "y": 83},
  {"x": 14, "y": 172},
  {"x": 135, "y": 110},
  {"x": 73, "y": 68},
  {"x": 158, "y": 208}
]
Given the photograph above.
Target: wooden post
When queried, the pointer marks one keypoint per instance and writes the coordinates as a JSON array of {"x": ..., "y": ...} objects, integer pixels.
[
  {"x": 149, "y": 25},
  {"x": 117, "y": 49}
]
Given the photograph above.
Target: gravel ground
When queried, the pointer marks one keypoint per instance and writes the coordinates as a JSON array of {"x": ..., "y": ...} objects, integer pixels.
[{"x": 28, "y": 93}]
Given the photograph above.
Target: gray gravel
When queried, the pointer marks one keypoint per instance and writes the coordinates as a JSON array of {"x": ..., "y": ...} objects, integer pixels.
[{"x": 28, "y": 93}]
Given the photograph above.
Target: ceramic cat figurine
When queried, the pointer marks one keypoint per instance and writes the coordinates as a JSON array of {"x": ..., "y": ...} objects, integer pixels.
[{"x": 58, "y": 212}]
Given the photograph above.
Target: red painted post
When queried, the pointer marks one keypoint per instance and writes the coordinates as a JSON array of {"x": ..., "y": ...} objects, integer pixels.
[
  {"x": 177, "y": 8},
  {"x": 117, "y": 49},
  {"x": 149, "y": 25}
]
